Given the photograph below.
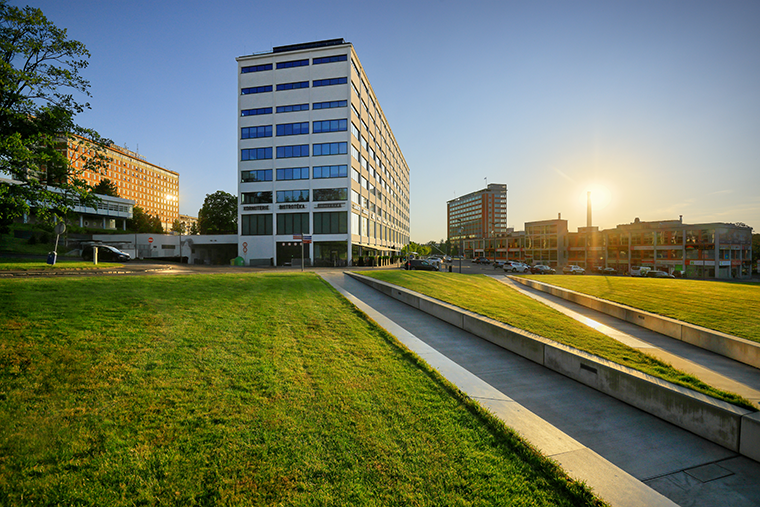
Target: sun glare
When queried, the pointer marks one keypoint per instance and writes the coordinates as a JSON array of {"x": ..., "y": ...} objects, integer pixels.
[{"x": 601, "y": 196}]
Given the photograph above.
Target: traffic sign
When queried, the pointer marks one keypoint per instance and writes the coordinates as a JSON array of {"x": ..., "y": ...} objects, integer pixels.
[
  {"x": 150, "y": 240},
  {"x": 306, "y": 238}
]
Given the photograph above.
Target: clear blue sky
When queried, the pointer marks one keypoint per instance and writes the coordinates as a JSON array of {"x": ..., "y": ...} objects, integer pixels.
[{"x": 654, "y": 106}]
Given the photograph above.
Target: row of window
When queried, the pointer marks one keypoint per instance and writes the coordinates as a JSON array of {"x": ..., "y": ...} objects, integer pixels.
[
  {"x": 294, "y": 63},
  {"x": 284, "y": 196},
  {"x": 294, "y": 107},
  {"x": 299, "y": 150},
  {"x": 331, "y": 222},
  {"x": 295, "y": 173},
  {"x": 294, "y": 86},
  {"x": 293, "y": 129}
]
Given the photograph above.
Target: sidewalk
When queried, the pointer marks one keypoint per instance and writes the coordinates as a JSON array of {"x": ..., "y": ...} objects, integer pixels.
[
  {"x": 629, "y": 457},
  {"x": 608, "y": 481}
]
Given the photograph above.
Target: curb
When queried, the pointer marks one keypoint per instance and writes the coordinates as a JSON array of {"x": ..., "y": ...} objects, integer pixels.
[{"x": 720, "y": 422}]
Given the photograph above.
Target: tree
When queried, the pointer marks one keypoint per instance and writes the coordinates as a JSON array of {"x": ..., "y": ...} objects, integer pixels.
[
  {"x": 194, "y": 229},
  {"x": 39, "y": 69},
  {"x": 218, "y": 214},
  {"x": 106, "y": 187},
  {"x": 144, "y": 222},
  {"x": 178, "y": 226}
]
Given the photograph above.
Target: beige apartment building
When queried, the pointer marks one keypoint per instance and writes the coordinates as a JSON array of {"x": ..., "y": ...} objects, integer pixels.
[{"x": 152, "y": 188}]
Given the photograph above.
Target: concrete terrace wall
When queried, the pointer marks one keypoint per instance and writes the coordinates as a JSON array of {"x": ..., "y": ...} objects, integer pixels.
[
  {"x": 720, "y": 422},
  {"x": 738, "y": 349}
]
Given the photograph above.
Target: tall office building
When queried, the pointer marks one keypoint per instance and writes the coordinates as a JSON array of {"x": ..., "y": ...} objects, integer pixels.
[
  {"x": 316, "y": 157},
  {"x": 478, "y": 221}
]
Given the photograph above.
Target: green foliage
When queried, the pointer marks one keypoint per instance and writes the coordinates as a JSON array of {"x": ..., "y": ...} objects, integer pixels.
[
  {"x": 278, "y": 392},
  {"x": 194, "y": 229},
  {"x": 106, "y": 187},
  {"x": 39, "y": 68},
  {"x": 218, "y": 214},
  {"x": 178, "y": 226},
  {"x": 495, "y": 300},
  {"x": 144, "y": 222},
  {"x": 422, "y": 250}
]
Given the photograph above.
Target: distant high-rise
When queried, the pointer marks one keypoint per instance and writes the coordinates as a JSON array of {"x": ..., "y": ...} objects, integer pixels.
[{"x": 316, "y": 157}]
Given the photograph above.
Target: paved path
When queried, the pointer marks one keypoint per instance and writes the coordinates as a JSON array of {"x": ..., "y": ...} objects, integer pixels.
[
  {"x": 629, "y": 457},
  {"x": 714, "y": 369}
]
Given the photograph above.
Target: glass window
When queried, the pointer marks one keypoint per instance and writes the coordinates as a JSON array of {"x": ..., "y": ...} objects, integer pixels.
[
  {"x": 329, "y": 59},
  {"x": 293, "y": 129},
  {"x": 330, "y": 171},
  {"x": 293, "y": 63},
  {"x": 330, "y": 194},
  {"x": 330, "y": 126},
  {"x": 354, "y": 131},
  {"x": 256, "y": 89},
  {"x": 301, "y": 150},
  {"x": 255, "y": 112},
  {"x": 329, "y": 82},
  {"x": 256, "y": 176},
  {"x": 331, "y": 104},
  {"x": 292, "y": 196},
  {"x": 254, "y": 132},
  {"x": 291, "y": 108},
  {"x": 292, "y": 223},
  {"x": 293, "y": 173},
  {"x": 331, "y": 223},
  {"x": 256, "y": 154},
  {"x": 257, "y": 197},
  {"x": 256, "y": 68},
  {"x": 256, "y": 225},
  {"x": 354, "y": 152},
  {"x": 330, "y": 149},
  {"x": 292, "y": 86}
]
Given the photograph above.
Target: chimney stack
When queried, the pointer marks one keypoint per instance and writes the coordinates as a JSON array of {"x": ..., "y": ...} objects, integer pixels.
[{"x": 588, "y": 209}]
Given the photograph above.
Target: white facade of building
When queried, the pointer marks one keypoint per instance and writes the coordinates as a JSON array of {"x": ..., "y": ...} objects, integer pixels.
[{"x": 316, "y": 157}]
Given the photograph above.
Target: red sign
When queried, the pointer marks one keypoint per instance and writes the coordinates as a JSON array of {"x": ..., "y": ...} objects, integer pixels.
[{"x": 150, "y": 240}]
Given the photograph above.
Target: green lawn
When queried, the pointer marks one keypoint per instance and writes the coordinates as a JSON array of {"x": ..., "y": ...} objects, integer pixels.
[
  {"x": 8, "y": 264},
  {"x": 488, "y": 297},
  {"x": 245, "y": 389},
  {"x": 732, "y": 308}
]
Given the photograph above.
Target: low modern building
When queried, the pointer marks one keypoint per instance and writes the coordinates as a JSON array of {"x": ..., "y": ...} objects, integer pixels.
[
  {"x": 317, "y": 158},
  {"x": 152, "y": 188},
  {"x": 711, "y": 250}
]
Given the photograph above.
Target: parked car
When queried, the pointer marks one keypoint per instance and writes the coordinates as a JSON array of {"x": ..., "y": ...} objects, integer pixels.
[
  {"x": 498, "y": 264},
  {"x": 659, "y": 274},
  {"x": 609, "y": 271},
  {"x": 106, "y": 253},
  {"x": 420, "y": 265},
  {"x": 542, "y": 269},
  {"x": 640, "y": 270},
  {"x": 481, "y": 260},
  {"x": 515, "y": 267},
  {"x": 572, "y": 269}
]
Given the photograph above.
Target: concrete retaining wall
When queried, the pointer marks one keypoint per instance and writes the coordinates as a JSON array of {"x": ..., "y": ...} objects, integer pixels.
[
  {"x": 738, "y": 349},
  {"x": 720, "y": 422}
]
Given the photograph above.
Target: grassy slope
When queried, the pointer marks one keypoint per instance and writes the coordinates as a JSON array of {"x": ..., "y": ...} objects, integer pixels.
[
  {"x": 488, "y": 297},
  {"x": 732, "y": 308},
  {"x": 236, "y": 389}
]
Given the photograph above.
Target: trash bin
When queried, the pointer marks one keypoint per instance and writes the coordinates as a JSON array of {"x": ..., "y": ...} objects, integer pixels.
[{"x": 52, "y": 256}]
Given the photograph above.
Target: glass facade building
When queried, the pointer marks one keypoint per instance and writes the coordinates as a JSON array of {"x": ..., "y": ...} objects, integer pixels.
[{"x": 316, "y": 156}]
